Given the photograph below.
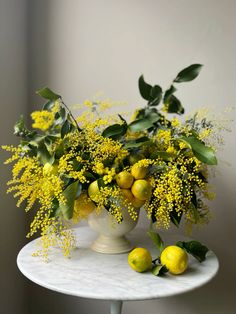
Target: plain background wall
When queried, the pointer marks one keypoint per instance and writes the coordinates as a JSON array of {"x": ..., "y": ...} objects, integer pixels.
[
  {"x": 79, "y": 47},
  {"x": 13, "y": 102}
]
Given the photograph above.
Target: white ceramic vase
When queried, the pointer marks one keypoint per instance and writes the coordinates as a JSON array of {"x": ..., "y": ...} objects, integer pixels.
[{"x": 111, "y": 238}]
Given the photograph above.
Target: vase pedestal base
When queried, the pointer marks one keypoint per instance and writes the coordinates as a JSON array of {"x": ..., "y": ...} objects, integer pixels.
[{"x": 111, "y": 245}]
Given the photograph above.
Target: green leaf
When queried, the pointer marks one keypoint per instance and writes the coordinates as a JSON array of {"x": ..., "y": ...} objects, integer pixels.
[
  {"x": 70, "y": 194},
  {"x": 174, "y": 105},
  {"x": 21, "y": 130},
  {"x": 163, "y": 154},
  {"x": 79, "y": 190},
  {"x": 157, "y": 240},
  {"x": 48, "y": 106},
  {"x": 175, "y": 217},
  {"x": 115, "y": 131},
  {"x": 195, "y": 248},
  {"x": 136, "y": 143},
  {"x": 155, "y": 96},
  {"x": 101, "y": 183},
  {"x": 168, "y": 93},
  {"x": 189, "y": 73},
  {"x": 159, "y": 270},
  {"x": 65, "y": 129},
  {"x": 140, "y": 125},
  {"x": 47, "y": 93},
  {"x": 144, "y": 88},
  {"x": 203, "y": 153},
  {"x": 151, "y": 115},
  {"x": 44, "y": 155}
]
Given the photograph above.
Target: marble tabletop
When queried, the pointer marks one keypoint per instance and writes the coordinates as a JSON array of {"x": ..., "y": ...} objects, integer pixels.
[{"x": 99, "y": 276}]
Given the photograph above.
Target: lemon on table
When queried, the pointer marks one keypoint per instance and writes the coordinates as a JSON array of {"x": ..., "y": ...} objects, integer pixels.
[
  {"x": 93, "y": 190},
  {"x": 141, "y": 189},
  {"x": 83, "y": 206},
  {"x": 139, "y": 172},
  {"x": 124, "y": 179},
  {"x": 140, "y": 259},
  {"x": 175, "y": 259}
]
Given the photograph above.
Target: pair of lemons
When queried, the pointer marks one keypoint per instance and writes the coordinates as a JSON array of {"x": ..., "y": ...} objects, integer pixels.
[
  {"x": 173, "y": 257},
  {"x": 134, "y": 186}
]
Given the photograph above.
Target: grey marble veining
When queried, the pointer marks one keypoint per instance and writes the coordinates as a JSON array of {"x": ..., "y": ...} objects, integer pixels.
[{"x": 109, "y": 277}]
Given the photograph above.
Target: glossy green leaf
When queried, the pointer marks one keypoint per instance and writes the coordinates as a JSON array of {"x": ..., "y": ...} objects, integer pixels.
[
  {"x": 204, "y": 153},
  {"x": 69, "y": 194},
  {"x": 157, "y": 240},
  {"x": 140, "y": 125},
  {"x": 144, "y": 88},
  {"x": 195, "y": 248},
  {"x": 189, "y": 73},
  {"x": 159, "y": 270},
  {"x": 65, "y": 129},
  {"x": 115, "y": 131},
  {"x": 48, "y": 106},
  {"x": 169, "y": 92},
  {"x": 79, "y": 190},
  {"x": 176, "y": 217},
  {"x": 44, "y": 155},
  {"x": 163, "y": 154},
  {"x": 174, "y": 105},
  {"x": 155, "y": 96},
  {"x": 136, "y": 143},
  {"x": 47, "y": 93}
]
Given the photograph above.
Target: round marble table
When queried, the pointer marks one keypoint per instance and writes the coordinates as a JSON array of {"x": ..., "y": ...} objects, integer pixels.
[{"x": 108, "y": 277}]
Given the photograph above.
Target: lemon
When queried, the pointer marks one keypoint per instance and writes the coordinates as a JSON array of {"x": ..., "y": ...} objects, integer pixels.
[
  {"x": 140, "y": 259},
  {"x": 124, "y": 179},
  {"x": 138, "y": 172},
  {"x": 175, "y": 259},
  {"x": 83, "y": 206},
  {"x": 133, "y": 200},
  {"x": 93, "y": 190},
  {"x": 141, "y": 189}
]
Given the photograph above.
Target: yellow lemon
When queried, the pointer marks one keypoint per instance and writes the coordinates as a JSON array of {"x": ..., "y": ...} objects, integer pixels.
[
  {"x": 133, "y": 200},
  {"x": 175, "y": 259},
  {"x": 93, "y": 190},
  {"x": 83, "y": 206},
  {"x": 124, "y": 179},
  {"x": 139, "y": 172},
  {"x": 141, "y": 189},
  {"x": 140, "y": 259}
]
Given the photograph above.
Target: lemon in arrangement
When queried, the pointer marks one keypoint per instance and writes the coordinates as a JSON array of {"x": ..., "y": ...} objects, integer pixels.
[
  {"x": 175, "y": 259},
  {"x": 83, "y": 206},
  {"x": 140, "y": 259},
  {"x": 93, "y": 190},
  {"x": 124, "y": 179},
  {"x": 139, "y": 172},
  {"x": 141, "y": 189}
]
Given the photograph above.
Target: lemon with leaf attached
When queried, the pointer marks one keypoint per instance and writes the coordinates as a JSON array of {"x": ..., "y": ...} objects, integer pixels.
[
  {"x": 175, "y": 259},
  {"x": 140, "y": 259}
]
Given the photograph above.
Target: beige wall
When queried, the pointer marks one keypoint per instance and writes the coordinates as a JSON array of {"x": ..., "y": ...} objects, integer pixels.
[
  {"x": 13, "y": 102},
  {"x": 79, "y": 47}
]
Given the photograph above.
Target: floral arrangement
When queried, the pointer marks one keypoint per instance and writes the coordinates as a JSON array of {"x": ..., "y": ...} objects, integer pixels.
[{"x": 68, "y": 166}]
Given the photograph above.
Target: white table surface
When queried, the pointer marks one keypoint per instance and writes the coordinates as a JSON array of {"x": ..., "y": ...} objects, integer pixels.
[{"x": 99, "y": 276}]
